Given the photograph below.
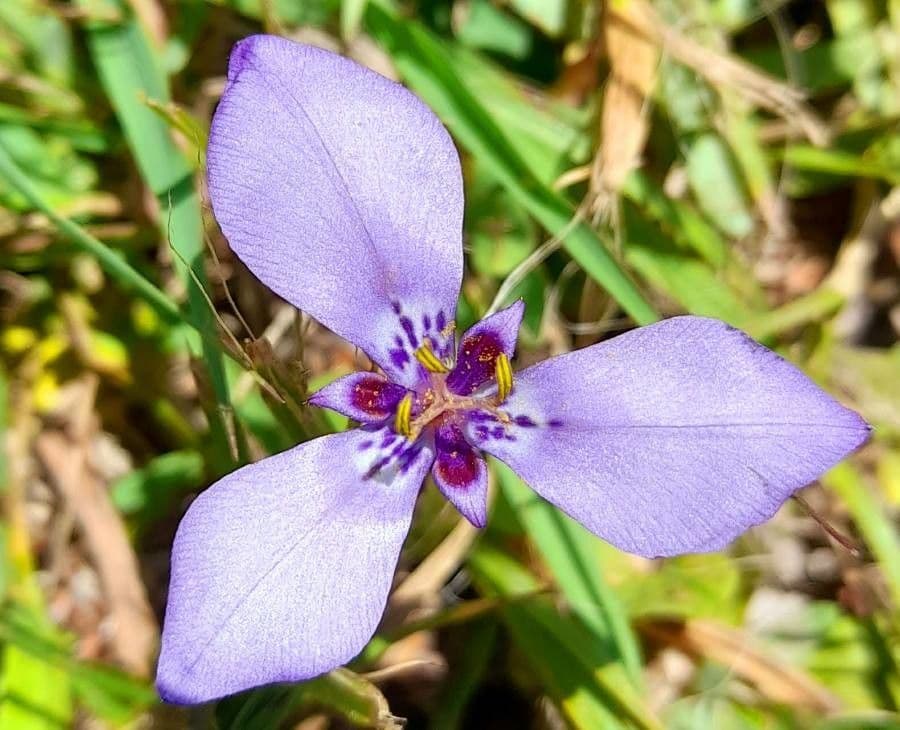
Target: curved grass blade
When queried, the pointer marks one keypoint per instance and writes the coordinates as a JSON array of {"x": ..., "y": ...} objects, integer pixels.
[
  {"x": 112, "y": 262},
  {"x": 130, "y": 72},
  {"x": 430, "y": 70}
]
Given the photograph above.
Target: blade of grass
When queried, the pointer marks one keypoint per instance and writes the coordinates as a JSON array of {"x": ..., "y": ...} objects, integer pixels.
[
  {"x": 34, "y": 694},
  {"x": 817, "y": 306},
  {"x": 480, "y": 643},
  {"x": 130, "y": 73},
  {"x": 431, "y": 72},
  {"x": 571, "y": 553},
  {"x": 112, "y": 262},
  {"x": 576, "y": 671},
  {"x": 869, "y": 516}
]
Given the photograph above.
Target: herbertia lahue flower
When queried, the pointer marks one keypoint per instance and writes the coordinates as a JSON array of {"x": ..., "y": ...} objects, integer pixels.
[{"x": 342, "y": 192}]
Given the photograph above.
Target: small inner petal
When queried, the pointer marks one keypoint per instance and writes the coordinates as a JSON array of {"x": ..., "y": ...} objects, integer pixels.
[
  {"x": 376, "y": 396},
  {"x": 457, "y": 464},
  {"x": 475, "y": 364}
]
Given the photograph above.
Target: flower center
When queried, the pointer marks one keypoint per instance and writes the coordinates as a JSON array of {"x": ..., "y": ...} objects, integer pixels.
[{"x": 437, "y": 402}]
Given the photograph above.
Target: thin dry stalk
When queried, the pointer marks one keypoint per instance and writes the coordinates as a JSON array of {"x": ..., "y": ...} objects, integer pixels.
[
  {"x": 723, "y": 70},
  {"x": 64, "y": 458}
]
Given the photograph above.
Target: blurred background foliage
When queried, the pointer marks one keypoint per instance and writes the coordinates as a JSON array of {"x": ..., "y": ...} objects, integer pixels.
[{"x": 623, "y": 161}]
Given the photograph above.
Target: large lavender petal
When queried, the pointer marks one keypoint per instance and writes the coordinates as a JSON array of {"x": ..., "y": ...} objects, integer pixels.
[
  {"x": 342, "y": 192},
  {"x": 460, "y": 473},
  {"x": 281, "y": 570},
  {"x": 479, "y": 347},
  {"x": 672, "y": 438}
]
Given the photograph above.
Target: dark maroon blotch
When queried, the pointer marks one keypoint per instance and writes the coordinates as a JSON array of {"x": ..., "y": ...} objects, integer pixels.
[
  {"x": 456, "y": 464},
  {"x": 376, "y": 396}
]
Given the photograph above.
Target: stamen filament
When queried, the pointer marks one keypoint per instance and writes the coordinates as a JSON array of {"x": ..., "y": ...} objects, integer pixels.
[
  {"x": 429, "y": 360},
  {"x": 402, "y": 417},
  {"x": 503, "y": 373}
]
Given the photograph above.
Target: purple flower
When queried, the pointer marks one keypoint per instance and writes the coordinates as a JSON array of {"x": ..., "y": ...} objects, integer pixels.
[{"x": 342, "y": 192}]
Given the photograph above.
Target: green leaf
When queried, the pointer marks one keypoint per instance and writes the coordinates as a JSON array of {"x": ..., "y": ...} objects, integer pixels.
[
  {"x": 343, "y": 693},
  {"x": 684, "y": 277},
  {"x": 676, "y": 218},
  {"x": 839, "y": 163},
  {"x": 716, "y": 184},
  {"x": 150, "y": 491}
]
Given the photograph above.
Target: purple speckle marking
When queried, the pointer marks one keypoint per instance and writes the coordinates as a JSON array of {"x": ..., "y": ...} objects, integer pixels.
[
  {"x": 426, "y": 322},
  {"x": 499, "y": 432},
  {"x": 366, "y": 445},
  {"x": 410, "y": 330},
  {"x": 399, "y": 358},
  {"x": 396, "y": 307},
  {"x": 524, "y": 421},
  {"x": 441, "y": 321},
  {"x": 555, "y": 423}
]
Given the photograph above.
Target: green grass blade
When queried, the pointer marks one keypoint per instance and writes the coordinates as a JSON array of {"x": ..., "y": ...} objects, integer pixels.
[
  {"x": 474, "y": 662},
  {"x": 571, "y": 553},
  {"x": 112, "y": 262},
  {"x": 577, "y": 672},
  {"x": 877, "y": 530},
  {"x": 431, "y": 72},
  {"x": 130, "y": 73}
]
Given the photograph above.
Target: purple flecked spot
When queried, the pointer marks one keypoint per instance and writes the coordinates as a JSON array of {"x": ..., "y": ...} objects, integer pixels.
[
  {"x": 395, "y": 305},
  {"x": 441, "y": 321},
  {"x": 376, "y": 396},
  {"x": 426, "y": 322},
  {"x": 366, "y": 445},
  {"x": 408, "y": 457},
  {"x": 410, "y": 330},
  {"x": 524, "y": 421},
  {"x": 399, "y": 358},
  {"x": 498, "y": 432},
  {"x": 555, "y": 423}
]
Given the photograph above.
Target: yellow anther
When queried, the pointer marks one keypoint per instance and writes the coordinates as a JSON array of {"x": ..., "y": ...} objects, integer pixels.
[
  {"x": 401, "y": 419},
  {"x": 429, "y": 360},
  {"x": 503, "y": 373}
]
